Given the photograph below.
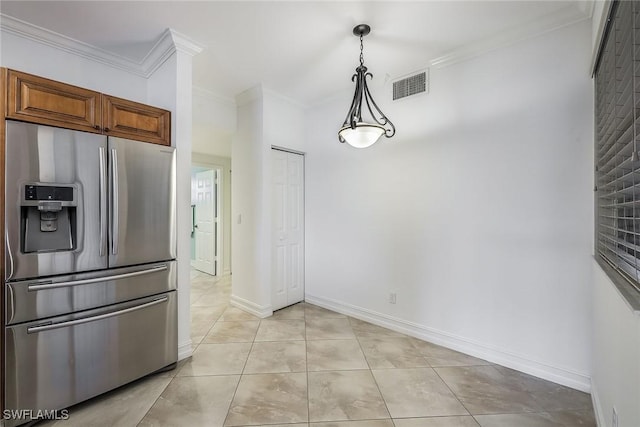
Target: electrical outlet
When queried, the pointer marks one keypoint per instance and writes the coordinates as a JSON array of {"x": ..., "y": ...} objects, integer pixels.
[
  {"x": 614, "y": 418},
  {"x": 392, "y": 298}
]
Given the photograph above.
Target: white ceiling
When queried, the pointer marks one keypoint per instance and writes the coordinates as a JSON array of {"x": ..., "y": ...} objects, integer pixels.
[{"x": 301, "y": 49}]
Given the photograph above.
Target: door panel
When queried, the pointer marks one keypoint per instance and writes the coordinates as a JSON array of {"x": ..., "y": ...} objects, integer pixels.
[
  {"x": 287, "y": 279},
  {"x": 36, "y": 99},
  {"x": 205, "y": 226},
  {"x": 295, "y": 229},
  {"x": 46, "y": 155},
  {"x": 279, "y": 247},
  {"x": 128, "y": 119},
  {"x": 294, "y": 282},
  {"x": 142, "y": 220},
  {"x": 279, "y": 298}
]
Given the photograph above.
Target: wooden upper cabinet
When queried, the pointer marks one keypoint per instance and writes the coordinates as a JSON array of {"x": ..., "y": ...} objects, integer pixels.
[
  {"x": 35, "y": 99},
  {"x": 128, "y": 119}
]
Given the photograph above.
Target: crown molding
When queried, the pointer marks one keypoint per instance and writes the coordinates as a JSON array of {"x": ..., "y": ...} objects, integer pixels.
[
  {"x": 61, "y": 42},
  {"x": 206, "y": 93},
  {"x": 254, "y": 93},
  {"x": 158, "y": 54},
  {"x": 260, "y": 92},
  {"x": 184, "y": 43},
  {"x": 283, "y": 98},
  {"x": 562, "y": 18},
  {"x": 170, "y": 41}
]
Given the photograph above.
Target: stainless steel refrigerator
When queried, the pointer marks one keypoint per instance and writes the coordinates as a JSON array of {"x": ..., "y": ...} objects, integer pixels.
[{"x": 90, "y": 271}]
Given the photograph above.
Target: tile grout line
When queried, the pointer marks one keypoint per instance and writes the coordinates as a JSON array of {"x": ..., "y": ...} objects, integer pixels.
[
  {"x": 375, "y": 381},
  {"x": 306, "y": 363},
  {"x": 207, "y": 333},
  {"x": 175, "y": 375},
  {"x": 215, "y": 284},
  {"x": 435, "y": 369},
  {"x": 455, "y": 395},
  {"x": 240, "y": 377},
  {"x": 156, "y": 400}
]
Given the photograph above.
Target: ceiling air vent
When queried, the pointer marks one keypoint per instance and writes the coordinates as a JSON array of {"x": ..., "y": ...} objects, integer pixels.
[{"x": 411, "y": 85}]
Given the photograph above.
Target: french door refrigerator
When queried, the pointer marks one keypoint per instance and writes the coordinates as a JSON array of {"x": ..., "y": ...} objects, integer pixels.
[{"x": 90, "y": 271}]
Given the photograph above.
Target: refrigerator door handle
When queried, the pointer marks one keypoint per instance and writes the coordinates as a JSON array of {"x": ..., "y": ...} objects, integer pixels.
[
  {"x": 42, "y": 328},
  {"x": 48, "y": 285},
  {"x": 114, "y": 206},
  {"x": 103, "y": 201}
]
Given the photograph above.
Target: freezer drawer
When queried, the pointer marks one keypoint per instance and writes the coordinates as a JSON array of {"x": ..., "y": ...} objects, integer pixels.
[
  {"x": 28, "y": 300},
  {"x": 66, "y": 360}
]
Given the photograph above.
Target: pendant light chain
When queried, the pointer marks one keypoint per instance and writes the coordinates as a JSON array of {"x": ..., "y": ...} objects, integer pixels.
[{"x": 361, "y": 54}]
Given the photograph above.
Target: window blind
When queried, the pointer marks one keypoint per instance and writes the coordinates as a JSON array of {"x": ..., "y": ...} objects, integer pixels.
[{"x": 617, "y": 125}]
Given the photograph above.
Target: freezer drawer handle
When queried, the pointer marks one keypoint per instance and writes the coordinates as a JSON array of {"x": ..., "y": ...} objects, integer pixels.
[
  {"x": 43, "y": 328},
  {"x": 41, "y": 287}
]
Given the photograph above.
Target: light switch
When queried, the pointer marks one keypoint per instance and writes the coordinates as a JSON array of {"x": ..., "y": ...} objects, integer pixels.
[{"x": 239, "y": 218}]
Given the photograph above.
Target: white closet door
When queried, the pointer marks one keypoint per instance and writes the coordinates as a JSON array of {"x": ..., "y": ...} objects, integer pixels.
[{"x": 287, "y": 269}]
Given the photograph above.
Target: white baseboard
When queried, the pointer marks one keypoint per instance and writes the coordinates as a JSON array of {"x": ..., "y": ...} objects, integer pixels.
[
  {"x": 597, "y": 405},
  {"x": 185, "y": 350},
  {"x": 251, "y": 307},
  {"x": 576, "y": 380}
]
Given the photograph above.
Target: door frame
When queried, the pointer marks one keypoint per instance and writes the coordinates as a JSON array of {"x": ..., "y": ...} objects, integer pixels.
[{"x": 219, "y": 175}]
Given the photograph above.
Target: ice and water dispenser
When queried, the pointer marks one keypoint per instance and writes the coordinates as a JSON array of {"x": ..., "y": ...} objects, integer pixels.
[{"x": 48, "y": 217}]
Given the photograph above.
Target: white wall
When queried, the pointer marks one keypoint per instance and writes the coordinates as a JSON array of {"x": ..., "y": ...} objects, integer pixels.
[
  {"x": 284, "y": 122},
  {"x": 478, "y": 213},
  {"x": 171, "y": 87},
  {"x": 616, "y": 354},
  {"x": 36, "y": 58},
  {"x": 214, "y": 123},
  {"x": 249, "y": 239},
  {"x": 264, "y": 119}
]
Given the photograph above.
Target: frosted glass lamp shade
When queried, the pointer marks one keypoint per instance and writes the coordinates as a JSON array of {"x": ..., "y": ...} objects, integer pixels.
[{"x": 363, "y": 135}]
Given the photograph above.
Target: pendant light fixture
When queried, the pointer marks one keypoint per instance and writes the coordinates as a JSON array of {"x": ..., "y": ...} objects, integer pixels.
[{"x": 357, "y": 131}]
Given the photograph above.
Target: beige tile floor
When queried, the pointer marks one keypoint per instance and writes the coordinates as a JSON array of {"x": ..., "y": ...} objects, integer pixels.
[{"x": 307, "y": 366}]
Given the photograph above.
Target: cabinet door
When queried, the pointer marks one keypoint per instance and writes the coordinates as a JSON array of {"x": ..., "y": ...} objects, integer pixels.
[
  {"x": 38, "y": 100},
  {"x": 128, "y": 119}
]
